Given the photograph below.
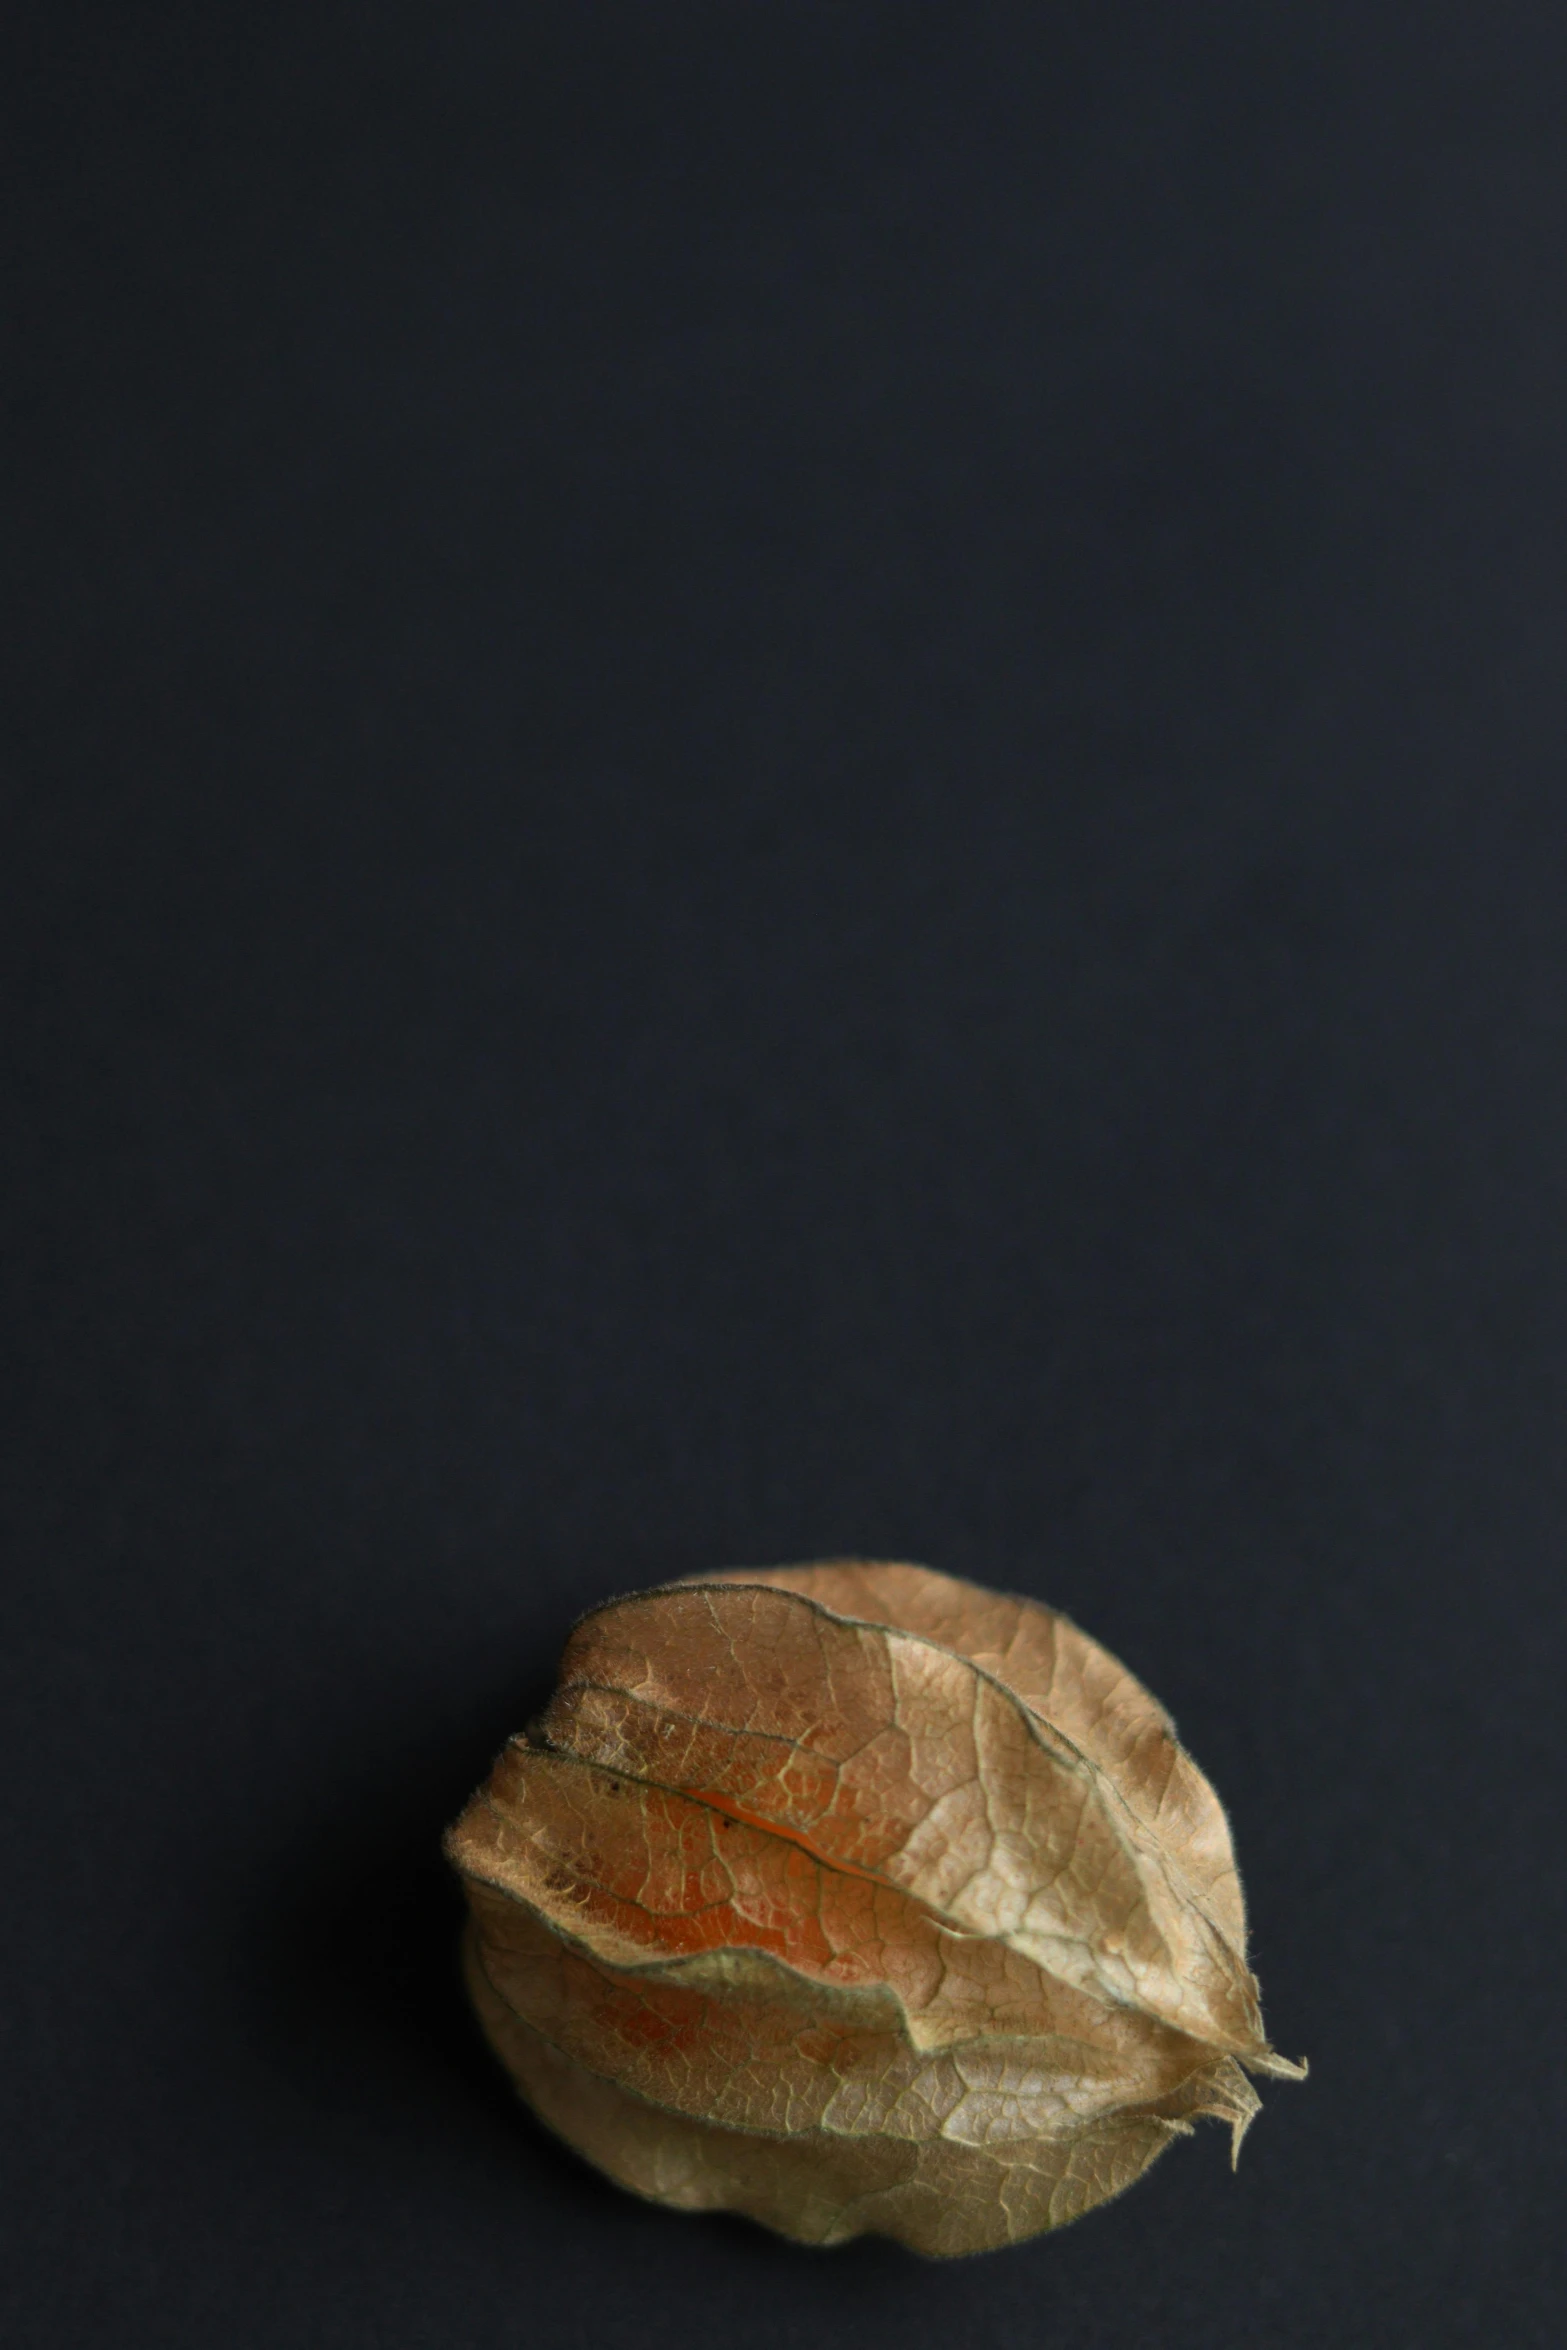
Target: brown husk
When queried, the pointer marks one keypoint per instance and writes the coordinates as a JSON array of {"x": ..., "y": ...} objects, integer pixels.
[{"x": 858, "y": 1898}]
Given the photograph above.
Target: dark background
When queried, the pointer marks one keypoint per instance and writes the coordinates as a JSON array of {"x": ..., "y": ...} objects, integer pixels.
[{"x": 789, "y": 777}]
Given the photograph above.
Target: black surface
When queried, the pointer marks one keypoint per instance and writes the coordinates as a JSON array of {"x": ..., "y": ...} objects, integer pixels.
[{"x": 790, "y": 778}]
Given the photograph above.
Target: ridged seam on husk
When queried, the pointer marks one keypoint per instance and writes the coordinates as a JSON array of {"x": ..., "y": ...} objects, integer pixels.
[{"x": 1206, "y": 2082}]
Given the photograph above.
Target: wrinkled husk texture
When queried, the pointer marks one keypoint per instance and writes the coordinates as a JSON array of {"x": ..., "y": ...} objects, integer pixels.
[{"x": 859, "y": 1899}]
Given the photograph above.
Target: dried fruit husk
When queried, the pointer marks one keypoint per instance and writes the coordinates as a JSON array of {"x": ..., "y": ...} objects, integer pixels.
[{"x": 859, "y": 1899}]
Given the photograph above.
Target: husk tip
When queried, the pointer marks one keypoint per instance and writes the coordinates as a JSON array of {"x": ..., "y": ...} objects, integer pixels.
[
  {"x": 1238, "y": 2127},
  {"x": 1278, "y": 2068}
]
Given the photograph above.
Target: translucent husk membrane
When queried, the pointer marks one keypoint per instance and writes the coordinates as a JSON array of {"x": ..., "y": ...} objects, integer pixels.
[{"x": 857, "y": 1898}]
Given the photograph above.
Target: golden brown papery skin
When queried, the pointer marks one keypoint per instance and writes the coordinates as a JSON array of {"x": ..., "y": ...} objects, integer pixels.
[{"x": 859, "y": 1899}]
